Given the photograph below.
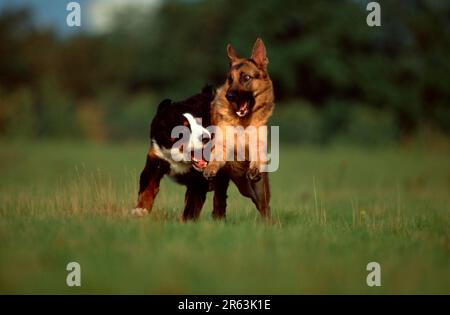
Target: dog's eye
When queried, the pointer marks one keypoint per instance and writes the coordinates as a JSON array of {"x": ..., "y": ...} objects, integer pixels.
[{"x": 246, "y": 77}]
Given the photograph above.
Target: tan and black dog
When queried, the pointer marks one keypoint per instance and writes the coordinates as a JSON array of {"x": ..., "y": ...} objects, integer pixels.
[{"x": 246, "y": 99}]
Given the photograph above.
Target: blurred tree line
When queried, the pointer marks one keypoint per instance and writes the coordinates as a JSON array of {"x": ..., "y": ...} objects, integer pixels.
[{"x": 334, "y": 76}]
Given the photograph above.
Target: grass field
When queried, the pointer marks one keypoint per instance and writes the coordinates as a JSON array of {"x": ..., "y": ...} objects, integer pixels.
[{"x": 335, "y": 210}]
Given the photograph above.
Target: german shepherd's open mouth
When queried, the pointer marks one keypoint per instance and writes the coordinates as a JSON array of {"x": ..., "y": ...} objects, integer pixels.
[
  {"x": 245, "y": 106},
  {"x": 242, "y": 103}
]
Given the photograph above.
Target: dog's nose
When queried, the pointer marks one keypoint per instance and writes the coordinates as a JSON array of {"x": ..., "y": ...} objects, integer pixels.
[{"x": 230, "y": 95}]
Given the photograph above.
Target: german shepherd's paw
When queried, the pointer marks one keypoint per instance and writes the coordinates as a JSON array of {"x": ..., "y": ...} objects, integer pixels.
[
  {"x": 211, "y": 171},
  {"x": 253, "y": 173},
  {"x": 139, "y": 212}
]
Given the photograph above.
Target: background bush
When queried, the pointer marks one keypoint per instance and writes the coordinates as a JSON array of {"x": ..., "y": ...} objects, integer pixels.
[{"x": 334, "y": 77}]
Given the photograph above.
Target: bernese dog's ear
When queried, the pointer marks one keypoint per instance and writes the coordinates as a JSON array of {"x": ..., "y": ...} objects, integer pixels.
[
  {"x": 163, "y": 105},
  {"x": 183, "y": 122},
  {"x": 209, "y": 91}
]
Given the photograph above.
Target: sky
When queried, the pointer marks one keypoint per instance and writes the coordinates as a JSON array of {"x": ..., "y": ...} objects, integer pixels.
[{"x": 96, "y": 15}]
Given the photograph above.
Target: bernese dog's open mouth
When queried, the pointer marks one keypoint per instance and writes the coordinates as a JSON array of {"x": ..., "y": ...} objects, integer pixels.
[{"x": 198, "y": 160}]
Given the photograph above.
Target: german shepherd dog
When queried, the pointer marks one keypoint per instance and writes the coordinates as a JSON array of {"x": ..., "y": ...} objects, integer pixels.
[
  {"x": 246, "y": 99},
  {"x": 165, "y": 157}
]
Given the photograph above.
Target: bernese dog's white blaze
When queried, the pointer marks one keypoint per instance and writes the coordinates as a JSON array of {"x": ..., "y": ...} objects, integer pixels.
[
  {"x": 198, "y": 133},
  {"x": 198, "y": 137},
  {"x": 181, "y": 161}
]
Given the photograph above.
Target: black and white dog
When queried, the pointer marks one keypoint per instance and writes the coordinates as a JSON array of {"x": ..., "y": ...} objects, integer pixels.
[{"x": 177, "y": 155}]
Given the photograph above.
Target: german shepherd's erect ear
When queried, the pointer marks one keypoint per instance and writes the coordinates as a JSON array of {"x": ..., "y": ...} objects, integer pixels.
[
  {"x": 231, "y": 53},
  {"x": 259, "y": 54}
]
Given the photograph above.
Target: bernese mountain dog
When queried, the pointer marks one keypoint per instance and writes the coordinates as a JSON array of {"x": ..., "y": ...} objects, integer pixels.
[{"x": 176, "y": 154}]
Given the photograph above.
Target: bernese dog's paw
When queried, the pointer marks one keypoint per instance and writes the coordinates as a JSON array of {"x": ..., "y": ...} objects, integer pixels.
[{"x": 139, "y": 212}]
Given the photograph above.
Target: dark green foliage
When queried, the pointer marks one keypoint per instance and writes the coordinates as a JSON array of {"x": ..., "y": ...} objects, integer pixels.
[
  {"x": 338, "y": 122},
  {"x": 320, "y": 52}
]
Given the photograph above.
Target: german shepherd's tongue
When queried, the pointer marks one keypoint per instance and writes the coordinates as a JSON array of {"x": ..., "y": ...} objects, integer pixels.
[{"x": 243, "y": 108}]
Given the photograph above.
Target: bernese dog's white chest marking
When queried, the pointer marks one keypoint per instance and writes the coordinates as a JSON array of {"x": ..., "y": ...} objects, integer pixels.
[{"x": 176, "y": 167}]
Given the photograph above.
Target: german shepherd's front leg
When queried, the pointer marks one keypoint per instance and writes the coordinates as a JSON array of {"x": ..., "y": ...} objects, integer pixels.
[
  {"x": 258, "y": 191},
  {"x": 153, "y": 172},
  {"x": 218, "y": 154},
  {"x": 214, "y": 165},
  {"x": 262, "y": 195},
  {"x": 256, "y": 164}
]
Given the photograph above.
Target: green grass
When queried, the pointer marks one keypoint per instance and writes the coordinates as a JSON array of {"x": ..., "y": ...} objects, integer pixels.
[{"x": 334, "y": 209}]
